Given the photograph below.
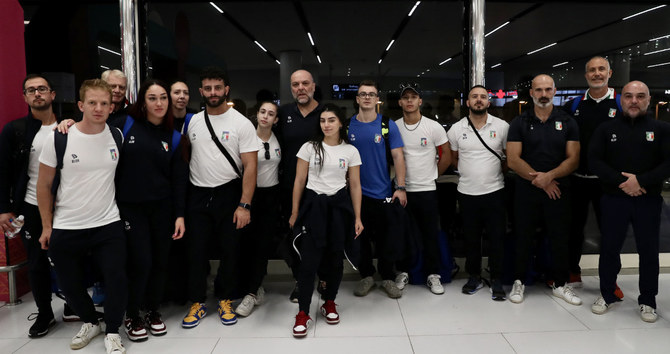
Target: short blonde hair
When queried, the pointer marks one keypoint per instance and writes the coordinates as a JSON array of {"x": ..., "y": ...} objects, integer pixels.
[{"x": 94, "y": 84}]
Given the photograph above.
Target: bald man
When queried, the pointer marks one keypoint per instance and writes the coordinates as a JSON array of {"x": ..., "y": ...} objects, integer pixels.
[
  {"x": 543, "y": 150},
  {"x": 298, "y": 122},
  {"x": 631, "y": 157}
]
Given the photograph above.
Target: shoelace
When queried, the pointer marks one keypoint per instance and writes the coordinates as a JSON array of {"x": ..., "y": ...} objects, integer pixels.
[
  {"x": 330, "y": 306},
  {"x": 568, "y": 291},
  {"x": 194, "y": 309},
  {"x": 434, "y": 280},
  {"x": 32, "y": 316},
  {"x": 115, "y": 343},
  {"x": 225, "y": 306},
  {"x": 516, "y": 289},
  {"x": 84, "y": 330},
  {"x": 301, "y": 319}
]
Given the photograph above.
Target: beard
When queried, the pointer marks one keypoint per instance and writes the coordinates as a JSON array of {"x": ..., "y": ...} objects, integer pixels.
[
  {"x": 214, "y": 105},
  {"x": 542, "y": 102},
  {"x": 478, "y": 111}
]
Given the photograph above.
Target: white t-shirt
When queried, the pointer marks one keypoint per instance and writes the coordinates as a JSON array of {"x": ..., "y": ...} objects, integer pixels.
[
  {"x": 208, "y": 167},
  {"x": 332, "y": 176},
  {"x": 480, "y": 170},
  {"x": 268, "y": 170},
  {"x": 420, "y": 141},
  {"x": 34, "y": 162},
  {"x": 85, "y": 196}
]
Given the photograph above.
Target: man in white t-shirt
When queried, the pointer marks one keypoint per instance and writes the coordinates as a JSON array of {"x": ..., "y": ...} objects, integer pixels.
[
  {"x": 480, "y": 187},
  {"x": 20, "y": 147},
  {"x": 85, "y": 218},
  {"x": 219, "y": 197},
  {"x": 422, "y": 138}
]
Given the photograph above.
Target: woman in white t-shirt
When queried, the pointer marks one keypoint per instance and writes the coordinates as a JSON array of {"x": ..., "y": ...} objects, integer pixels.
[
  {"x": 327, "y": 216},
  {"x": 259, "y": 235}
]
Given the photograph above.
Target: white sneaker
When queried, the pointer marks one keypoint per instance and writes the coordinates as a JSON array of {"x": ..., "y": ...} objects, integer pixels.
[
  {"x": 516, "y": 295},
  {"x": 246, "y": 306},
  {"x": 401, "y": 280},
  {"x": 566, "y": 293},
  {"x": 260, "y": 296},
  {"x": 87, "y": 332},
  {"x": 435, "y": 285},
  {"x": 648, "y": 314},
  {"x": 113, "y": 344},
  {"x": 600, "y": 306}
]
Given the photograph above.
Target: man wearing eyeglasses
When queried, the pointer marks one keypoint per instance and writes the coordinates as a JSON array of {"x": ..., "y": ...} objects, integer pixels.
[
  {"x": 298, "y": 122},
  {"x": 368, "y": 133},
  {"x": 118, "y": 81},
  {"x": 21, "y": 143},
  {"x": 422, "y": 138}
]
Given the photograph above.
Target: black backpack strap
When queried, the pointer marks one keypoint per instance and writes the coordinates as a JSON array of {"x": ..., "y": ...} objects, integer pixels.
[
  {"x": 482, "y": 140},
  {"x": 385, "y": 134},
  {"x": 220, "y": 146},
  {"x": 118, "y": 137},
  {"x": 60, "y": 143}
]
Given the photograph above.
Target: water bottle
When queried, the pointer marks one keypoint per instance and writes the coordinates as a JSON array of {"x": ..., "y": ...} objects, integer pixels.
[{"x": 17, "y": 224}]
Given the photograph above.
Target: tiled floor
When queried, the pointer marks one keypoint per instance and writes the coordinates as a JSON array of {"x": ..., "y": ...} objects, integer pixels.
[{"x": 419, "y": 322}]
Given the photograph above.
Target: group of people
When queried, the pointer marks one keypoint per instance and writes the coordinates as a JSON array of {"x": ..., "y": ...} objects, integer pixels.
[{"x": 117, "y": 187}]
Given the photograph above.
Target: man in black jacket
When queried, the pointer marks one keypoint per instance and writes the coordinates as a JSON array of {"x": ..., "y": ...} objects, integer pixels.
[
  {"x": 20, "y": 147},
  {"x": 631, "y": 156}
]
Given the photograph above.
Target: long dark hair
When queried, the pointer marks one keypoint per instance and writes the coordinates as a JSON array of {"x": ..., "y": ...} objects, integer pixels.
[
  {"x": 317, "y": 142},
  {"x": 138, "y": 109}
]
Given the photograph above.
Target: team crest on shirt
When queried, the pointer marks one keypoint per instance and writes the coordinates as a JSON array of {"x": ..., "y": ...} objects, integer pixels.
[
  {"x": 424, "y": 142},
  {"x": 650, "y": 136},
  {"x": 289, "y": 119},
  {"x": 613, "y": 138},
  {"x": 612, "y": 113},
  {"x": 378, "y": 138},
  {"x": 165, "y": 146},
  {"x": 278, "y": 152},
  {"x": 559, "y": 125},
  {"x": 343, "y": 164},
  {"x": 225, "y": 136},
  {"x": 352, "y": 137},
  {"x": 492, "y": 134},
  {"x": 75, "y": 158},
  {"x": 131, "y": 140},
  {"x": 114, "y": 155},
  {"x": 576, "y": 113},
  {"x": 465, "y": 136},
  {"x": 192, "y": 136}
]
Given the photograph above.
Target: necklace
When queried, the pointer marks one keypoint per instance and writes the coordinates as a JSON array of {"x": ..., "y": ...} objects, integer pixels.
[{"x": 411, "y": 130}]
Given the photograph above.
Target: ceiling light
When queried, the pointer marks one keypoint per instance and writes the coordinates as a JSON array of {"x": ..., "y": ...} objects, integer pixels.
[
  {"x": 655, "y": 65},
  {"x": 277, "y": 61},
  {"x": 258, "y": 44},
  {"x": 543, "y": 48},
  {"x": 380, "y": 61},
  {"x": 448, "y": 59},
  {"x": 390, "y": 44},
  {"x": 25, "y": 22},
  {"x": 104, "y": 67},
  {"x": 216, "y": 7},
  {"x": 657, "y": 51},
  {"x": 109, "y": 50},
  {"x": 413, "y": 8},
  {"x": 495, "y": 66},
  {"x": 641, "y": 12},
  {"x": 657, "y": 38},
  {"x": 497, "y": 28},
  {"x": 310, "y": 38},
  {"x": 318, "y": 58},
  {"x": 559, "y": 64}
]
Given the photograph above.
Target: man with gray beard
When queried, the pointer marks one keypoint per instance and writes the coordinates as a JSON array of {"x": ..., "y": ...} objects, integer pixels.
[{"x": 543, "y": 149}]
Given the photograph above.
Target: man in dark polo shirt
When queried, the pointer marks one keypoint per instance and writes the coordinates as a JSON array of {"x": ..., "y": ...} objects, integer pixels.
[
  {"x": 631, "y": 156},
  {"x": 298, "y": 122},
  {"x": 598, "y": 104},
  {"x": 543, "y": 149}
]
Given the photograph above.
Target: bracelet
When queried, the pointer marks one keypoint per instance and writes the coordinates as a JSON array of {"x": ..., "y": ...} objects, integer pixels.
[
  {"x": 245, "y": 206},
  {"x": 400, "y": 188}
]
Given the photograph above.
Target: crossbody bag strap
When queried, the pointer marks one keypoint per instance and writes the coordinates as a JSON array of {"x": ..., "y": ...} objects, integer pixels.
[
  {"x": 482, "y": 140},
  {"x": 220, "y": 146}
]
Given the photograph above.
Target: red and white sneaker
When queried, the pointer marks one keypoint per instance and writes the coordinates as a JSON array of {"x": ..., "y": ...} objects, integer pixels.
[
  {"x": 329, "y": 311},
  {"x": 135, "y": 329},
  {"x": 155, "y": 324},
  {"x": 302, "y": 323}
]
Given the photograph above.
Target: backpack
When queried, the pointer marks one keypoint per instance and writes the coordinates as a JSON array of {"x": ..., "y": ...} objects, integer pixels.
[
  {"x": 187, "y": 120},
  {"x": 176, "y": 136},
  {"x": 60, "y": 142}
]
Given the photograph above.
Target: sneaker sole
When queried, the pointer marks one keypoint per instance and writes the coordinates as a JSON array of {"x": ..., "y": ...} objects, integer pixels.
[
  {"x": 138, "y": 339},
  {"x": 229, "y": 322},
  {"x": 158, "y": 333},
  {"x": 471, "y": 292},
  {"x": 567, "y": 301},
  {"x": 43, "y": 333},
  {"x": 191, "y": 325},
  {"x": 299, "y": 335},
  {"x": 516, "y": 301}
]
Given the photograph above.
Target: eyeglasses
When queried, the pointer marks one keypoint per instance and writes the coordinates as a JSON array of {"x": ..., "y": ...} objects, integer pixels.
[
  {"x": 40, "y": 89},
  {"x": 266, "y": 146},
  {"x": 367, "y": 94}
]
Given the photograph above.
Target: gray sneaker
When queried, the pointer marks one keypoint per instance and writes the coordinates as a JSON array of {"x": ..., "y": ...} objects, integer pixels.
[
  {"x": 391, "y": 289},
  {"x": 113, "y": 344},
  {"x": 435, "y": 284},
  {"x": 87, "y": 332},
  {"x": 364, "y": 286},
  {"x": 648, "y": 314},
  {"x": 516, "y": 295},
  {"x": 401, "y": 280}
]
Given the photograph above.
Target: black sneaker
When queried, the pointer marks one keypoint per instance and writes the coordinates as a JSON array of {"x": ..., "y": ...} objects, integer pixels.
[
  {"x": 42, "y": 325},
  {"x": 497, "y": 291},
  {"x": 294, "y": 294},
  {"x": 473, "y": 284}
]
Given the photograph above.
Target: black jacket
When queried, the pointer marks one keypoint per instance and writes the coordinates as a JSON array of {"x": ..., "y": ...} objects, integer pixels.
[
  {"x": 639, "y": 146},
  {"x": 16, "y": 140}
]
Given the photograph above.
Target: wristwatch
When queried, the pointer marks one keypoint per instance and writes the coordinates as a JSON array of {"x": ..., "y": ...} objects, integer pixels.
[
  {"x": 245, "y": 206},
  {"x": 400, "y": 188}
]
